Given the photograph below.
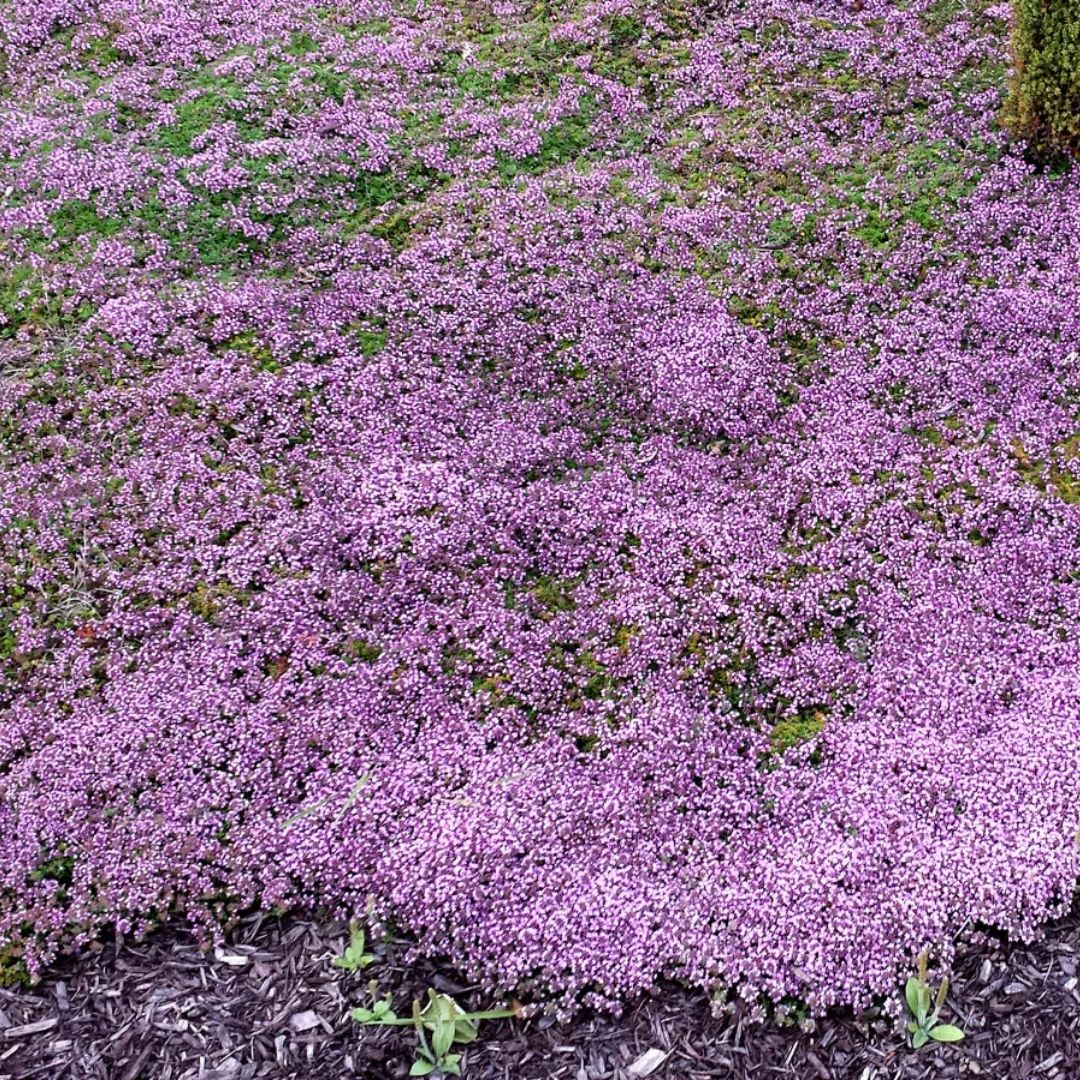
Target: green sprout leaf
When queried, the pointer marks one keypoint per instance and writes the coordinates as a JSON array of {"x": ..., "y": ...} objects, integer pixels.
[
  {"x": 442, "y": 1039},
  {"x": 380, "y": 1013},
  {"x": 464, "y": 1030},
  {"x": 924, "y": 1026},
  {"x": 946, "y": 1033},
  {"x": 912, "y": 991},
  {"x": 354, "y": 958},
  {"x": 441, "y": 1018}
]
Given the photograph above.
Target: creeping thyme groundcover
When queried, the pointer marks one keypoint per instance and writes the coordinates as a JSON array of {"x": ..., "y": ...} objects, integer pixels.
[{"x": 594, "y": 482}]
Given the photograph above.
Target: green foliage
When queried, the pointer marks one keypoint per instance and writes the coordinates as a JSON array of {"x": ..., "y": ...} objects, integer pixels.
[
  {"x": 78, "y": 218},
  {"x": 554, "y": 594},
  {"x": 1056, "y": 476},
  {"x": 359, "y": 649},
  {"x": 940, "y": 14},
  {"x": 29, "y": 304},
  {"x": 1044, "y": 99},
  {"x": 551, "y": 595},
  {"x": 13, "y": 970},
  {"x": 924, "y": 1025},
  {"x": 249, "y": 345},
  {"x": 381, "y": 1011},
  {"x": 440, "y": 1025},
  {"x": 796, "y": 730},
  {"x": 354, "y": 958},
  {"x": 8, "y": 638},
  {"x": 560, "y": 145},
  {"x": 218, "y": 98},
  {"x": 59, "y": 869},
  {"x": 371, "y": 342},
  {"x": 301, "y": 42},
  {"x": 20, "y": 297},
  {"x": 373, "y": 190}
]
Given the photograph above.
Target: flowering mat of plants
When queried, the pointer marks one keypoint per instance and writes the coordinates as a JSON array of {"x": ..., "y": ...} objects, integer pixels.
[{"x": 592, "y": 484}]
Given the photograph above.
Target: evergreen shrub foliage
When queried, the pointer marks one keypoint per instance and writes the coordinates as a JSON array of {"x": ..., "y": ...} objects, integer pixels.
[{"x": 1044, "y": 102}]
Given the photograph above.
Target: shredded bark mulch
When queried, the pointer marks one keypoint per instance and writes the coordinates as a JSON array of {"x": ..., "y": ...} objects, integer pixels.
[{"x": 271, "y": 1005}]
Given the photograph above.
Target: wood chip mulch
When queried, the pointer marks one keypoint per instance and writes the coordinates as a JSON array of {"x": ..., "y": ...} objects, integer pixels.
[{"x": 270, "y": 1005}]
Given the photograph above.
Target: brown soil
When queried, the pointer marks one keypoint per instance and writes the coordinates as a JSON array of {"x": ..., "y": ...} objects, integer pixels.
[{"x": 270, "y": 1005}]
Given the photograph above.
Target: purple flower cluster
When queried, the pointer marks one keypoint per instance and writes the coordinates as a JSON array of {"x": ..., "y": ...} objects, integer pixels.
[{"x": 638, "y": 440}]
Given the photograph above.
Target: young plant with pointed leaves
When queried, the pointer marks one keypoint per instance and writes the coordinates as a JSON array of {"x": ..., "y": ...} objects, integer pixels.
[
  {"x": 440, "y": 1025},
  {"x": 354, "y": 958},
  {"x": 925, "y": 1024}
]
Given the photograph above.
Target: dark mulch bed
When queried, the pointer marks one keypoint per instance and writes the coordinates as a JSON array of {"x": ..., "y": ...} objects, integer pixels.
[{"x": 271, "y": 1005}]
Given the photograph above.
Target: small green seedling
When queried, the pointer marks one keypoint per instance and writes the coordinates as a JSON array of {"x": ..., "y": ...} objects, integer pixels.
[
  {"x": 924, "y": 1025},
  {"x": 354, "y": 958},
  {"x": 443, "y": 1021},
  {"x": 381, "y": 1011}
]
